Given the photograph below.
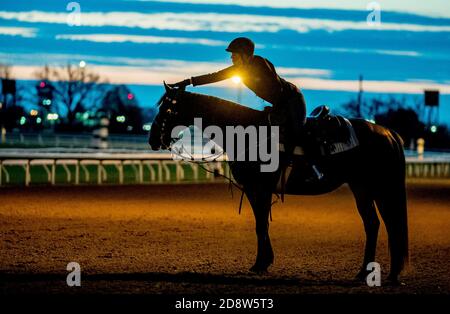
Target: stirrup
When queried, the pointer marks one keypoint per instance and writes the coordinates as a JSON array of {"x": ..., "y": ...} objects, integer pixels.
[
  {"x": 315, "y": 176},
  {"x": 317, "y": 172}
]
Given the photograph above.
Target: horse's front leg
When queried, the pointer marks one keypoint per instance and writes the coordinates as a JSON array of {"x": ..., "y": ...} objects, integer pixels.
[{"x": 260, "y": 200}]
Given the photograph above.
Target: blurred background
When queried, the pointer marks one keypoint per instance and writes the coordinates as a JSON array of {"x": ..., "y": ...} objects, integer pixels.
[{"x": 84, "y": 76}]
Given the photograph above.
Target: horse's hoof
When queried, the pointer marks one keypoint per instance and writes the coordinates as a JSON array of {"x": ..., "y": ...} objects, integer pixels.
[
  {"x": 393, "y": 281},
  {"x": 259, "y": 268},
  {"x": 361, "y": 276},
  {"x": 258, "y": 271}
]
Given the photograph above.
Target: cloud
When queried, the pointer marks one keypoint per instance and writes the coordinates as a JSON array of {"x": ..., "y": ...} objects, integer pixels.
[
  {"x": 163, "y": 68},
  {"x": 110, "y": 38},
  {"x": 416, "y": 87},
  {"x": 432, "y": 8},
  {"x": 405, "y": 53},
  {"x": 214, "y": 22},
  {"x": 18, "y": 31},
  {"x": 399, "y": 53},
  {"x": 172, "y": 71},
  {"x": 292, "y": 72}
]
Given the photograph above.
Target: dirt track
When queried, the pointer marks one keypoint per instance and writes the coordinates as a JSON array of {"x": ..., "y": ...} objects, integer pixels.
[{"x": 190, "y": 238}]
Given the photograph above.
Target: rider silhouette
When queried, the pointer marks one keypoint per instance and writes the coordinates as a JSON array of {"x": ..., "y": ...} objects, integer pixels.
[{"x": 259, "y": 75}]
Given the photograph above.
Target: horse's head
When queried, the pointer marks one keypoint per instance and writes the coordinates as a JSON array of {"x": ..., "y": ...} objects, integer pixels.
[{"x": 166, "y": 119}]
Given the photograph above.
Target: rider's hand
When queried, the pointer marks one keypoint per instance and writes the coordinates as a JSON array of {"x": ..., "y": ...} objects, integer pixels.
[{"x": 181, "y": 84}]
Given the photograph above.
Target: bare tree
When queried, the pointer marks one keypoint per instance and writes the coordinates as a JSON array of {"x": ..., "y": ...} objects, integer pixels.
[{"x": 75, "y": 88}]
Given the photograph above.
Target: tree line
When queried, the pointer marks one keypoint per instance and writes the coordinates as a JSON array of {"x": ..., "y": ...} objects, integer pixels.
[
  {"x": 69, "y": 98},
  {"x": 406, "y": 116}
]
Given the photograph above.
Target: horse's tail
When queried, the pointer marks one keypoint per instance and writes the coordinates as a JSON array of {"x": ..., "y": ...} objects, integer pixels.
[
  {"x": 392, "y": 204},
  {"x": 404, "y": 239},
  {"x": 399, "y": 241},
  {"x": 402, "y": 211}
]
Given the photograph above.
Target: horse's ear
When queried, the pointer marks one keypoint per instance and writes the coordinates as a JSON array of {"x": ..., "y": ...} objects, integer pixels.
[{"x": 167, "y": 87}]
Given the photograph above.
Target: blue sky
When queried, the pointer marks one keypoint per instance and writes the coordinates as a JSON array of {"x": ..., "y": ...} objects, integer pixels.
[{"x": 322, "y": 46}]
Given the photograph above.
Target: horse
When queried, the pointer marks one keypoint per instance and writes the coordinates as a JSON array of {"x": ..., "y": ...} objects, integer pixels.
[{"x": 374, "y": 170}]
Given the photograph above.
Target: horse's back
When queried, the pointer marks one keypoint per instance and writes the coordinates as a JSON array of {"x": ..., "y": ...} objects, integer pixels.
[
  {"x": 380, "y": 157},
  {"x": 376, "y": 137}
]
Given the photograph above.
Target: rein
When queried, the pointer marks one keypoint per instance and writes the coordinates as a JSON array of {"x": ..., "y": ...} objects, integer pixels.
[
  {"x": 231, "y": 182},
  {"x": 200, "y": 163}
]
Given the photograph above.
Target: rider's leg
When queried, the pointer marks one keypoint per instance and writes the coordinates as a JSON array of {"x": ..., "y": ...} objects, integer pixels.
[
  {"x": 296, "y": 121},
  {"x": 296, "y": 109}
]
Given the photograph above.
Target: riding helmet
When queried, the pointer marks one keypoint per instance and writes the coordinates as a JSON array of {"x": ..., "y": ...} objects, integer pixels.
[{"x": 241, "y": 45}]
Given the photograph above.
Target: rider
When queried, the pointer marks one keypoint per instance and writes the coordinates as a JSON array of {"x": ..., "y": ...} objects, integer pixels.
[{"x": 259, "y": 75}]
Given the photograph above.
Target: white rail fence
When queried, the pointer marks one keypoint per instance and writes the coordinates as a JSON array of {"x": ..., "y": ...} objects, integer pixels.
[
  {"x": 151, "y": 167},
  {"x": 155, "y": 166},
  {"x": 427, "y": 168}
]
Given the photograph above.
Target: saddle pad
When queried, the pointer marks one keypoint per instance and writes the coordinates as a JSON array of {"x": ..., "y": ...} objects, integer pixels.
[
  {"x": 339, "y": 147},
  {"x": 335, "y": 147}
]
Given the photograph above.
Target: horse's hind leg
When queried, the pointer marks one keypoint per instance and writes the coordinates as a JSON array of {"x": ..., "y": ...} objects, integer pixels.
[
  {"x": 367, "y": 211},
  {"x": 392, "y": 207},
  {"x": 260, "y": 199}
]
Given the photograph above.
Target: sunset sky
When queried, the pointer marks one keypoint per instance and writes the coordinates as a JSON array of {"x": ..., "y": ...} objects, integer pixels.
[{"x": 322, "y": 46}]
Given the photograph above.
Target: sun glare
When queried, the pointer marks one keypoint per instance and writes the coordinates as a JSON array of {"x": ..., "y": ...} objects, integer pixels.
[{"x": 236, "y": 79}]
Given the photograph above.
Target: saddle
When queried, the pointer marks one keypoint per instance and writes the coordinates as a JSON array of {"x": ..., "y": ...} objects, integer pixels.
[{"x": 325, "y": 134}]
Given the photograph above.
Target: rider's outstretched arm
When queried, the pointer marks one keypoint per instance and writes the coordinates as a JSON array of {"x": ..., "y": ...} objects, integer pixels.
[
  {"x": 214, "y": 77},
  {"x": 208, "y": 78}
]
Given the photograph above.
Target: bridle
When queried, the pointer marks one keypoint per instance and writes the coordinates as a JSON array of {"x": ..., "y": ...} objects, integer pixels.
[{"x": 170, "y": 112}]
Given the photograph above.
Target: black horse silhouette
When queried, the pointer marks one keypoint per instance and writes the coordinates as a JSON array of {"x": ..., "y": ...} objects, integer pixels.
[{"x": 374, "y": 171}]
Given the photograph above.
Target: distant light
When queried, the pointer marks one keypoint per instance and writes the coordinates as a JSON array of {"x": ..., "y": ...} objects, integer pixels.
[
  {"x": 120, "y": 119},
  {"x": 42, "y": 84},
  {"x": 34, "y": 112},
  {"x": 38, "y": 120},
  {"x": 130, "y": 96},
  {"x": 146, "y": 127},
  {"x": 433, "y": 129},
  {"x": 82, "y": 64},
  {"x": 129, "y": 128},
  {"x": 52, "y": 116},
  {"x": 23, "y": 120},
  {"x": 236, "y": 79},
  {"x": 85, "y": 115},
  {"x": 46, "y": 102}
]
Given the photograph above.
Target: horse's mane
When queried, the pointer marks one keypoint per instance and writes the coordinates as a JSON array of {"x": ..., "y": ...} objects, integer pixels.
[{"x": 219, "y": 111}]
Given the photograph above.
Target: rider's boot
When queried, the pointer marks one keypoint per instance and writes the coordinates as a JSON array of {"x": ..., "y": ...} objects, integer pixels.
[{"x": 312, "y": 171}]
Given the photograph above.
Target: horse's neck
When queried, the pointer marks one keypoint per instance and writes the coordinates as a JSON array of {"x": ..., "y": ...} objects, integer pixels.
[
  {"x": 215, "y": 112},
  {"x": 218, "y": 112}
]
